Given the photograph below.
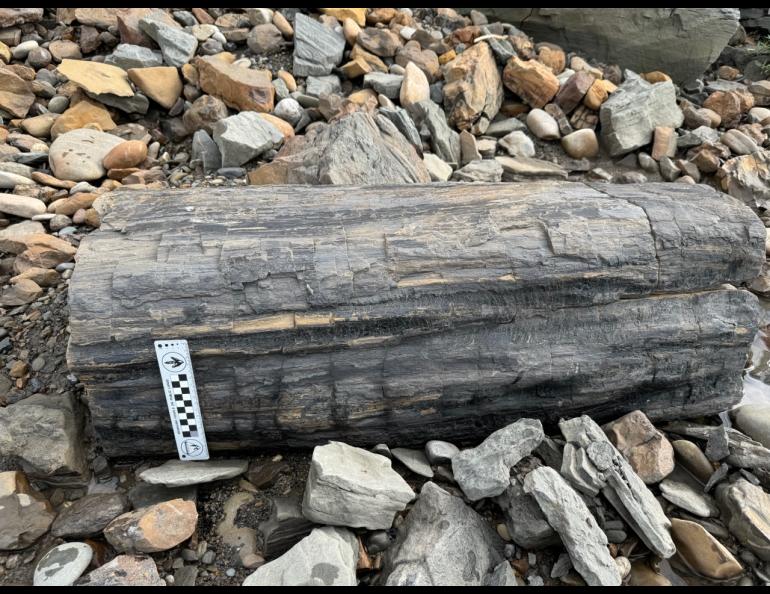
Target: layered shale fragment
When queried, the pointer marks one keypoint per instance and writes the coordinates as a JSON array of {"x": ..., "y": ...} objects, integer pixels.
[{"x": 384, "y": 314}]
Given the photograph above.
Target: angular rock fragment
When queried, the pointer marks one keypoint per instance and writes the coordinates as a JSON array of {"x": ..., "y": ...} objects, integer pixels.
[
  {"x": 177, "y": 46},
  {"x": 243, "y": 137},
  {"x": 748, "y": 179},
  {"x": 44, "y": 431},
  {"x": 487, "y": 170},
  {"x": 176, "y": 473},
  {"x": 152, "y": 529},
  {"x": 473, "y": 91},
  {"x": 317, "y": 48},
  {"x": 622, "y": 486},
  {"x": 241, "y": 88},
  {"x": 16, "y": 95},
  {"x": 25, "y": 515},
  {"x": 629, "y": 117},
  {"x": 703, "y": 553},
  {"x": 442, "y": 542},
  {"x": 356, "y": 149},
  {"x": 566, "y": 512},
  {"x": 526, "y": 523},
  {"x": 647, "y": 450},
  {"x": 484, "y": 471},
  {"x": 285, "y": 527},
  {"x": 97, "y": 78},
  {"x": 89, "y": 515},
  {"x": 532, "y": 81},
  {"x": 444, "y": 141},
  {"x": 746, "y": 510},
  {"x": 327, "y": 557},
  {"x": 348, "y": 486},
  {"x": 527, "y": 169}
]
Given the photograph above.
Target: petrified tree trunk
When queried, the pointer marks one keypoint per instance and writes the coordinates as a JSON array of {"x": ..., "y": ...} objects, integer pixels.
[{"x": 400, "y": 313}]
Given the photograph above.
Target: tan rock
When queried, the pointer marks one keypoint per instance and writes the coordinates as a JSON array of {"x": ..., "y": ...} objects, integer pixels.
[
  {"x": 127, "y": 154},
  {"x": 128, "y": 24},
  {"x": 13, "y": 239},
  {"x": 581, "y": 144},
  {"x": 161, "y": 84},
  {"x": 643, "y": 575},
  {"x": 70, "y": 205},
  {"x": 532, "y": 81},
  {"x": 21, "y": 206},
  {"x": 16, "y": 96},
  {"x": 356, "y": 68},
  {"x": 125, "y": 570},
  {"x": 473, "y": 92},
  {"x": 5, "y": 53},
  {"x": 655, "y": 76},
  {"x": 42, "y": 276},
  {"x": 647, "y": 450},
  {"x": 50, "y": 180},
  {"x": 20, "y": 293},
  {"x": 96, "y": 17},
  {"x": 381, "y": 42},
  {"x": 240, "y": 88},
  {"x": 25, "y": 515},
  {"x": 350, "y": 30},
  {"x": 288, "y": 80},
  {"x": 415, "y": 86},
  {"x": 284, "y": 126},
  {"x": 664, "y": 143},
  {"x": 693, "y": 459},
  {"x": 96, "y": 77},
  {"x": 153, "y": 529},
  {"x": 703, "y": 553},
  {"x": 360, "y": 53},
  {"x": 599, "y": 92},
  {"x": 380, "y": 15},
  {"x": 84, "y": 114},
  {"x": 63, "y": 49},
  {"x": 552, "y": 56},
  {"x": 356, "y": 14},
  {"x": 283, "y": 25},
  {"x": 44, "y": 251},
  {"x": 578, "y": 64},
  {"x": 39, "y": 126}
]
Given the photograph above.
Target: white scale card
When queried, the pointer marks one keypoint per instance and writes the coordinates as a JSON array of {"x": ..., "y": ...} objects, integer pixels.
[{"x": 182, "y": 399}]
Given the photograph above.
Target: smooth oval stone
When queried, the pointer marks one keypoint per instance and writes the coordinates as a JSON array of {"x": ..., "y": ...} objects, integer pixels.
[{"x": 62, "y": 565}]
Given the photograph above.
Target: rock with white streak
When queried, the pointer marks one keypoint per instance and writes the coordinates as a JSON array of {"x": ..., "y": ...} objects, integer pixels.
[
  {"x": 326, "y": 557},
  {"x": 566, "y": 512},
  {"x": 484, "y": 471},
  {"x": 349, "y": 486},
  {"x": 442, "y": 542},
  {"x": 63, "y": 564}
]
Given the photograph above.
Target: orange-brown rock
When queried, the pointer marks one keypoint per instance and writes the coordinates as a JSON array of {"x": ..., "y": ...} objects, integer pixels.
[
  {"x": 69, "y": 206},
  {"x": 380, "y": 15},
  {"x": 473, "y": 90},
  {"x": 532, "y": 81},
  {"x": 83, "y": 114},
  {"x": 598, "y": 93},
  {"x": 373, "y": 61},
  {"x": 96, "y": 77},
  {"x": 703, "y": 553},
  {"x": 127, "y": 154},
  {"x": 552, "y": 56},
  {"x": 729, "y": 105},
  {"x": 425, "y": 59},
  {"x": 284, "y": 126},
  {"x": 44, "y": 277},
  {"x": 647, "y": 450},
  {"x": 240, "y": 88},
  {"x": 152, "y": 529},
  {"x": 43, "y": 251},
  {"x": 655, "y": 76}
]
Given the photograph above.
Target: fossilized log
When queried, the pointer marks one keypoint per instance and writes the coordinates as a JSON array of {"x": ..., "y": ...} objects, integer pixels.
[{"x": 401, "y": 313}]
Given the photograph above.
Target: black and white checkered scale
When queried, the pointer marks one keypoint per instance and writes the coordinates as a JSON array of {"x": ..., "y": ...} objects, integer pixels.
[{"x": 180, "y": 388}]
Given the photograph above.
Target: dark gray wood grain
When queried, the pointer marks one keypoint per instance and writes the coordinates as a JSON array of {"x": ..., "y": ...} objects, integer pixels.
[{"x": 404, "y": 313}]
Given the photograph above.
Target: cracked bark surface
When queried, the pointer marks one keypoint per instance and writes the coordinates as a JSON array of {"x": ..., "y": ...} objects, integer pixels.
[{"x": 391, "y": 313}]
